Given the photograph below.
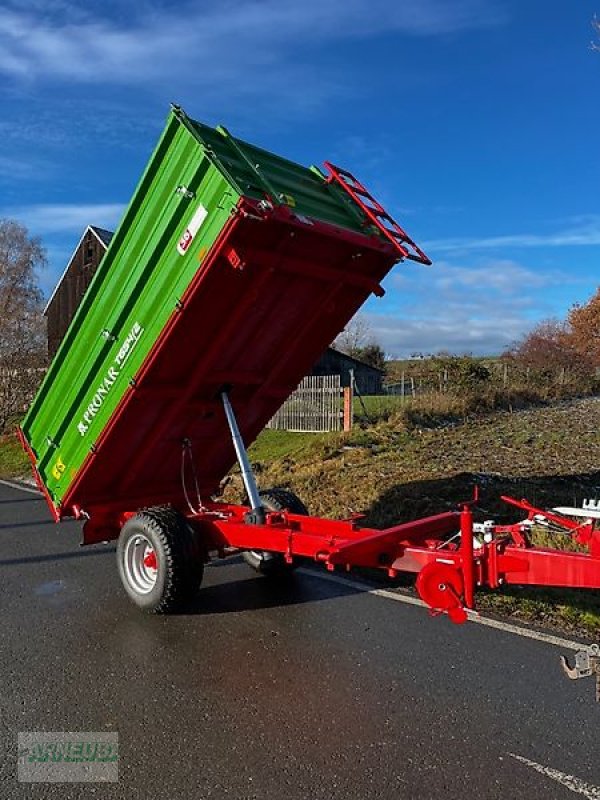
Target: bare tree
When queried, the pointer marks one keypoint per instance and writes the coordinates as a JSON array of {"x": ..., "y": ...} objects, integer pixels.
[
  {"x": 22, "y": 336},
  {"x": 355, "y": 336}
]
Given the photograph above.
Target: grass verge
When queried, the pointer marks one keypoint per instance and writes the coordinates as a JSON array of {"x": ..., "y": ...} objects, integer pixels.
[{"x": 13, "y": 461}]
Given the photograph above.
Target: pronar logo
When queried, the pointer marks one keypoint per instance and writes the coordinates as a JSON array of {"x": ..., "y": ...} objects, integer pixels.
[
  {"x": 110, "y": 378},
  {"x": 192, "y": 229}
]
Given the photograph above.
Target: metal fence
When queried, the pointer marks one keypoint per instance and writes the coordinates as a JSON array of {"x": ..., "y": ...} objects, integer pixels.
[
  {"x": 500, "y": 375},
  {"x": 315, "y": 406}
]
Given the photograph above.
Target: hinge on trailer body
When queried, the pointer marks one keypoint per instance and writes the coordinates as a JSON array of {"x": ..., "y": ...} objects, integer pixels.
[{"x": 587, "y": 664}]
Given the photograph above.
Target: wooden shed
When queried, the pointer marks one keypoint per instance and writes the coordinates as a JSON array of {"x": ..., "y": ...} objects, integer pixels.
[
  {"x": 369, "y": 380},
  {"x": 64, "y": 300}
]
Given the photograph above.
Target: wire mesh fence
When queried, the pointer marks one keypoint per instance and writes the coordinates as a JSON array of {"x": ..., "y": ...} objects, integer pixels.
[{"x": 468, "y": 376}]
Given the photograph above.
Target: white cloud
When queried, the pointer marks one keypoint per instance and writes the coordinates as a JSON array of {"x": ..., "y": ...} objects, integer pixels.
[
  {"x": 57, "y": 218},
  {"x": 451, "y": 329},
  {"x": 499, "y": 275},
  {"x": 585, "y": 231},
  {"x": 215, "y": 43},
  {"x": 17, "y": 169},
  {"x": 480, "y": 309}
]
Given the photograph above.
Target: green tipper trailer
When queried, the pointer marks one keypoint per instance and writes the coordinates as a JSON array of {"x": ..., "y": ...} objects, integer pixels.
[
  {"x": 230, "y": 273},
  {"x": 199, "y": 184}
]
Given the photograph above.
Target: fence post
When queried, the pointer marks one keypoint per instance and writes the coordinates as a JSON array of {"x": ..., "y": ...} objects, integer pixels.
[
  {"x": 402, "y": 392},
  {"x": 347, "y": 408}
]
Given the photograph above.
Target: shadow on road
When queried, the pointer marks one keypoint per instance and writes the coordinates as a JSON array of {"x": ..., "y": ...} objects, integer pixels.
[
  {"x": 11, "y": 562},
  {"x": 256, "y": 592},
  {"x": 12, "y": 525},
  {"x": 21, "y": 500}
]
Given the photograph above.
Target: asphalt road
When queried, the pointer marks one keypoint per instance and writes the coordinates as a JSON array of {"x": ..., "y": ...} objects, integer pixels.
[{"x": 316, "y": 691}]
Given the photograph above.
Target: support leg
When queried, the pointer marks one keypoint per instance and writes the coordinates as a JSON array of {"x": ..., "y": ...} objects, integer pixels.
[{"x": 258, "y": 511}]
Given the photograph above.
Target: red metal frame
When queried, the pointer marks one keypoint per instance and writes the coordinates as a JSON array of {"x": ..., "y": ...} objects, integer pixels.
[
  {"x": 376, "y": 213},
  {"x": 448, "y": 575},
  {"x": 40, "y": 483}
]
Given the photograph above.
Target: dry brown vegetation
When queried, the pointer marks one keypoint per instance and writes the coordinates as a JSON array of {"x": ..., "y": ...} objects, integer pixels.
[{"x": 398, "y": 470}]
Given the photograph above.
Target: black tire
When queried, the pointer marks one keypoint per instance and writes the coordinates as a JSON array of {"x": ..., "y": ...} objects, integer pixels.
[
  {"x": 178, "y": 558},
  {"x": 270, "y": 564}
]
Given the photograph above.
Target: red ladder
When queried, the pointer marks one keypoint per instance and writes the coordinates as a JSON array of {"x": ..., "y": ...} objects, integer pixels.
[{"x": 376, "y": 213}]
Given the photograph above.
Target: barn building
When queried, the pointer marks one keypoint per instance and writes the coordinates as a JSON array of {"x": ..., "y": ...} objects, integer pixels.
[
  {"x": 64, "y": 300},
  {"x": 368, "y": 379}
]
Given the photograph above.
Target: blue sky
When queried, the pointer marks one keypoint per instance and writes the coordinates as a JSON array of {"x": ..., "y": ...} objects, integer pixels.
[{"x": 474, "y": 121}]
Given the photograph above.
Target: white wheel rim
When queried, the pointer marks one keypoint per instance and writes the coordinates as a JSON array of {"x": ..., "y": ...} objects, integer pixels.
[{"x": 140, "y": 564}]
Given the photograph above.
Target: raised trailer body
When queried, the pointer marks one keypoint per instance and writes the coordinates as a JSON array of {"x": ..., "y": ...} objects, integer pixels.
[
  {"x": 232, "y": 267},
  {"x": 230, "y": 273}
]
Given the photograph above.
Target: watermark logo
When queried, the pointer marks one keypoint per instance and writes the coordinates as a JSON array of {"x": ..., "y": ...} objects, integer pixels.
[{"x": 61, "y": 757}]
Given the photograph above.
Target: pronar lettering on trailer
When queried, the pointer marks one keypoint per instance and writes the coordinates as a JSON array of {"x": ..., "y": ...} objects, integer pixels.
[
  {"x": 192, "y": 229},
  {"x": 110, "y": 378}
]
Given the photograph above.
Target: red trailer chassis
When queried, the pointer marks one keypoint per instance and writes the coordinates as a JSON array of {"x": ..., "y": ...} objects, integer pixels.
[{"x": 450, "y": 562}]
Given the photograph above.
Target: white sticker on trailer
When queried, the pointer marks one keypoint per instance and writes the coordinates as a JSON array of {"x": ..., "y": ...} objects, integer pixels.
[{"x": 192, "y": 229}]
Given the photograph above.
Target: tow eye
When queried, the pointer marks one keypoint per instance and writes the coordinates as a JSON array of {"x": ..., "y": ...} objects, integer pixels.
[{"x": 587, "y": 663}]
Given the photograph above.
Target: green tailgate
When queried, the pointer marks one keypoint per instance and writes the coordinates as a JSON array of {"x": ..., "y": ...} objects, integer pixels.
[{"x": 195, "y": 175}]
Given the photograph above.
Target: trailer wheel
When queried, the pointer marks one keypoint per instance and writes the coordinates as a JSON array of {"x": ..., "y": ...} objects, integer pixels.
[
  {"x": 274, "y": 564},
  {"x": 160, "y": 560}
]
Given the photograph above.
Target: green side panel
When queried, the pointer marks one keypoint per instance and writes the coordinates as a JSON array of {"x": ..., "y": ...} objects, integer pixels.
[
  {"x": 127, "y": 304},
  {"x": 195, "y": 173}
]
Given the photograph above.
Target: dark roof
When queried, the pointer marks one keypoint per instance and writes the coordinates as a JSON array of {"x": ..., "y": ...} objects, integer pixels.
[
  {"x": 355, "y": 360},
  {"x": 102, "y": 234}
]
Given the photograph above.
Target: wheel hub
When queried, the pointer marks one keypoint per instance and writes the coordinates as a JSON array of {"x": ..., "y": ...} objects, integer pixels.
[{"x": 141, "y": 564}]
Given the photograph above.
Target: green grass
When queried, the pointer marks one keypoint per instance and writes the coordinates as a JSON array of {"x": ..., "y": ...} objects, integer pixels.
[
  {"x": 273, "y": 445},
  {"x": 13, "y": 461},
  {"x": 378, "y": 407}
]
